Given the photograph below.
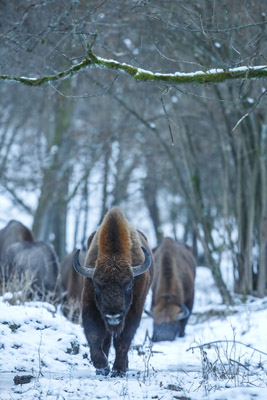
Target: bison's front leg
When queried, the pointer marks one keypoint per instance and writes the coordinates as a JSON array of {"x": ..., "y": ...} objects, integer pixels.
[
  {"x": 122, "y": 344},
  {"x": 98, "y": 340}
]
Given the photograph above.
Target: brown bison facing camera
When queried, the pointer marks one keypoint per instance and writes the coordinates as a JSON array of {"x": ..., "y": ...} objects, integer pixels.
[
  {"x": 118, "y": 273},
  {"x": 173, "y": 289}
]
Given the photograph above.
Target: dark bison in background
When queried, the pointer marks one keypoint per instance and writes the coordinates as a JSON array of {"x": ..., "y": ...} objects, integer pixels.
[
  {"x": 72, "y": 286},
  {"x": 38, "y": 263},
  {"x": 118, "y": 273},
  {"x": 13, "y": 232},
  {"x": 28, "y": 263},
  {"x": 172, "y": 288}
]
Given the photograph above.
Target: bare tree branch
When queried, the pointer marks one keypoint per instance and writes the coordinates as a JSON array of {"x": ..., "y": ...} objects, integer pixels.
[
  {"x": 251, "y": 110},
  {"x": 168, "y": 119},
  {"x": 16, "y": 199},
  {"x": 93, "y": 61}
]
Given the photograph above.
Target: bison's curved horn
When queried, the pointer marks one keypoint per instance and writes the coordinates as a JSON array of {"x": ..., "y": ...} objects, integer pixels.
[
  {"x": 184, "y": 313},
  {"x": 84, "y": 271},
  {"x": 140, "y": 269}
]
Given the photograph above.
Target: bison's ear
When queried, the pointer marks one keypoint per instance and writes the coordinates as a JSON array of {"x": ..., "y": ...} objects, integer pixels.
[
  {"x": 184, "y": 313},
  {"x": 90, "y": 239},
  {"x": 141, "y": 233}
]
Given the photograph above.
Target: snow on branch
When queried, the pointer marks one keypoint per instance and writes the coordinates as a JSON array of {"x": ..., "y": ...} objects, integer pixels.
[{"x": 93, "y": 61}]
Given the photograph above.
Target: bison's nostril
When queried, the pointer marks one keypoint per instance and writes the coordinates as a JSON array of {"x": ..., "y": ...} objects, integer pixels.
[
  {"x": 113, "y": 315},
  {"x": 113, "y": 319}
]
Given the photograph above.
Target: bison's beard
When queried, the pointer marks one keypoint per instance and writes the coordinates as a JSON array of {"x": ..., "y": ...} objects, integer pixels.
[{"x": 115, "y": 330}]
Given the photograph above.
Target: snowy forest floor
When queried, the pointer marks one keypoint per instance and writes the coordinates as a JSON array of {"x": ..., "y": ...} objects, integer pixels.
[{"x": 38, "y": 341}]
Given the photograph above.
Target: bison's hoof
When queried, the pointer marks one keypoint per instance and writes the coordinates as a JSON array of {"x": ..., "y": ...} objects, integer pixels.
[
  {"x": 102, "y": 371},
  {"x": 117, "y": 373}
]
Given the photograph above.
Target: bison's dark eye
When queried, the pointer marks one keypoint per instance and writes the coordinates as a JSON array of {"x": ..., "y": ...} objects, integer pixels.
[
  {"x": 128, "y": 286},
  {"x": 97, "y": 288}
]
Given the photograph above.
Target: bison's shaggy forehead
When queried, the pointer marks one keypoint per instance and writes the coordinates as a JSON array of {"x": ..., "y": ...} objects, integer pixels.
[{"x": 112, "y": 269}]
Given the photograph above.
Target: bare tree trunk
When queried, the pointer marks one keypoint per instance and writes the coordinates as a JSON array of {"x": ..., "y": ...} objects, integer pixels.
[
  {"x": 51, "y": 213},
  {"x": 76, "y": 228},
  {"x": 247, "y": 146},
  {"x": 150, "y": 192},
  {"x": 150, "y": 197},
  {"x": 190, "y": 235},
  {"x": 122, "y": 175},
  {"x": 85, "y": 209},
  {"x": 250, "y": 230},
  {"x": 104, "y": 207},
  {"x": 196, "y": 204},
  {"x": 262, "y": 265}
]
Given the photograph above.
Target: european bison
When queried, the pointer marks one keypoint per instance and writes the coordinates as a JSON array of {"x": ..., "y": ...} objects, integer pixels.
[
  {"x": 173, "y": 289},
  {"x": 118, "y": 270},
  {"x": 13, "y": 232},
  {"x": 37, "y": 262},
  {"x": 72, "y": 285}
]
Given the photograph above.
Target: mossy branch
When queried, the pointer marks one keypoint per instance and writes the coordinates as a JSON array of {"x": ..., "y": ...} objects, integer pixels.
[{"x": 199, "y": 77}]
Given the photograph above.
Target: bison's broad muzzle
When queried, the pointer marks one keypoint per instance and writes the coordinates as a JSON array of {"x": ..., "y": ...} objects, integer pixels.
[
  {"x": 113, "y": 319},
  {"x": 165, "y": 331}
]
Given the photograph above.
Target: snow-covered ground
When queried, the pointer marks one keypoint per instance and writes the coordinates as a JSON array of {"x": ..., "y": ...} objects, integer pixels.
[{"x": 37, "y": 340}]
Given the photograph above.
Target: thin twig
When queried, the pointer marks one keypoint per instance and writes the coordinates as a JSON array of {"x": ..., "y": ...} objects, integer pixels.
[
  {"x": 239, "y": 363},
  {"x": 39, "y": 358},
  {"x": 225, "y": 341},
  {"x": 168, "y": 119},
  {"x": 251, "y": 110}
]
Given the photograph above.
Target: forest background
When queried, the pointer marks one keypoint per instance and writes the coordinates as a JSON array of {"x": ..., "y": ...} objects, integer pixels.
[{"x": 181, "y": 159}]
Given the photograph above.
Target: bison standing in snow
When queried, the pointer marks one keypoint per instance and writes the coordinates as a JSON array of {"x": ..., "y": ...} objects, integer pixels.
[
  {"x": 13, "y": 232},
  {"x": 118, "y": 273},
  {"x": 173, "y": 289},
  {"x": 27, "y": 265},
  {"x": 38, "y": 263}
]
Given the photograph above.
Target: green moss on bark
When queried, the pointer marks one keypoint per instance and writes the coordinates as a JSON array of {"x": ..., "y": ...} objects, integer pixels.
[{"x": 93, "y": 61}]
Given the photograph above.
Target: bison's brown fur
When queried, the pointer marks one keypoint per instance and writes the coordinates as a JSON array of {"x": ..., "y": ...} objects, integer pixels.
[
  {"x": 173, "y": 288},
  {"x": 72, "y": 285},
  {"x": 113, "y": 290}
]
